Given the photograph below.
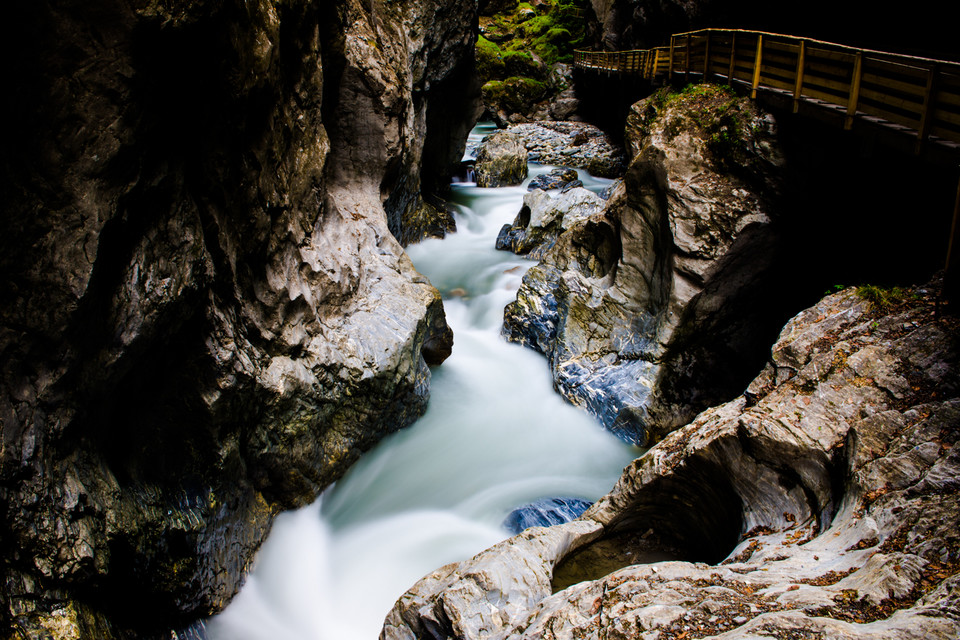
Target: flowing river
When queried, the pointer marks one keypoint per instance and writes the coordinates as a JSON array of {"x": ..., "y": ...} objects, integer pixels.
[{"x": 495, "y": 436}]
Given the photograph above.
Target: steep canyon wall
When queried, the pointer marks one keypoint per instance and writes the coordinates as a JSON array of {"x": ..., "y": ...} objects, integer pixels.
[{"x": 206, "y": 313}]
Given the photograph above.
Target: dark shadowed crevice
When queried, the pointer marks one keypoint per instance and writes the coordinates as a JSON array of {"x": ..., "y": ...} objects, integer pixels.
[{"x": 694, "y": 514}]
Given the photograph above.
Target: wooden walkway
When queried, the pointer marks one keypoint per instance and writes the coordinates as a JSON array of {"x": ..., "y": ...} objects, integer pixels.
[{"x": 918, "y": 97}]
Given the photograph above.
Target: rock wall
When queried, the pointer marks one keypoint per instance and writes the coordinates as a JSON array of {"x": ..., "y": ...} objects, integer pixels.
[
  {"x": 659, "y": 305},
  {"x": 206, "y": 316},
  {"x": 822, "y": 503}
]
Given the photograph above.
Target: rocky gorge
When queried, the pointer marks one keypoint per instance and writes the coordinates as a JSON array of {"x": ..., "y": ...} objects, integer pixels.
[
  {"x": 818, "y": 502},
  {"x": 207, "y": 312},
  {"x": 208, "y": 316},
  {"x": 623, "y": 303},
  {"x": 822, "y": 502}
]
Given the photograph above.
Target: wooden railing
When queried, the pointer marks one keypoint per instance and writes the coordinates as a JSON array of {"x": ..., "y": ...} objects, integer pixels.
[
  {"x": 918, "y": 95},
  {"x": 642, "y": 61}
]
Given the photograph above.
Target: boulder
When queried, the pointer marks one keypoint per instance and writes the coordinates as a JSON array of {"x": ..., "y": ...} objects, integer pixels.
[
  {"x": 544, "y": 217},
  {"x": 501, "y": 160},
  {"x": 654, "y": 307},
  {"x": 555, "y": 179},
  {"x": 822, "y": 503}
]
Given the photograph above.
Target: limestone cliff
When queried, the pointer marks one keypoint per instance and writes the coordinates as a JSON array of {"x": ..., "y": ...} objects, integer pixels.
[
  {"x": 822, "y": 503},
  {"x": 206, "y": 314},
  {"x": 655, "y": 308}
]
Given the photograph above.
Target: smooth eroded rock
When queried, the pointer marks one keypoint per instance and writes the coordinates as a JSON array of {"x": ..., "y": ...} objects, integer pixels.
[
  {"x": 822, "y": 503},
  {"x": 661, "y": 303}
]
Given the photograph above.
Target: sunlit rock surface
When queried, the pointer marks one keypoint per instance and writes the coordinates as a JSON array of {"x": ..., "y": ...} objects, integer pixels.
[
  {"x": 822, "y": 503},
  {"x": 206, "y": 315},
  {"x": 659, "y": 305}
]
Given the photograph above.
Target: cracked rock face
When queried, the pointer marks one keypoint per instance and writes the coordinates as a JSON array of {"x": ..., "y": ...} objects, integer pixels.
[
  {"x": 206, "y": 315},
  {"x": 821, "y": 504},
  {"x": 656, "y": 307}
]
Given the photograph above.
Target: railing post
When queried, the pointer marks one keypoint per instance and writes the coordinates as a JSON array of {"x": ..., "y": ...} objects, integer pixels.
[
  {"x": 798, "y": 87},
  {"x": 733, "y": 58},
  {"x": 929, "y": 94},
  {"x": 686, "y": 78},
  {"x": 706, "y": 58},
  {"x": 854, "y": 91},
  {"x": 757, "y": 61},
  {"x": 670, "y": 70}
]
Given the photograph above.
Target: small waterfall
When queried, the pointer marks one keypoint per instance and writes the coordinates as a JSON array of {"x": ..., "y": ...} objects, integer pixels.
[{"x": 495, "y": 437}]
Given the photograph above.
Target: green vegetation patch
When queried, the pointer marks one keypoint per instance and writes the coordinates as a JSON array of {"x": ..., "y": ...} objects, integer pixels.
[
  {"x": 549, "y": 31},
  {"x": 886, "y": 299},
  {"x": 725, "y": 120},
  {"x": 490, "y": 62}
]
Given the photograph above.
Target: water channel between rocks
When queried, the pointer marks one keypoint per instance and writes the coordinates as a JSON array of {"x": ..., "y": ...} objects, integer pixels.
[{"x": 495, "y": 436}]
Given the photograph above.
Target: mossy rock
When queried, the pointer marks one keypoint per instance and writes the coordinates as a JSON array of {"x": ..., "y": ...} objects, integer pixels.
[
  {"x": 532, "y": 37},
  {"x": 515, "y": 94},
  {"x": 724, "y": 119},
  {"x": 536, "y": 26},
  {"x": 523, "y": 64},
  {"x": 549, "y": 54},
  {"x": 557, "y": 35},
  {"x": 490, "y": 63}
]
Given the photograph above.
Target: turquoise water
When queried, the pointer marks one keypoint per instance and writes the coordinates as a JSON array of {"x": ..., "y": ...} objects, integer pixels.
[{"x": 495, "y": 436}]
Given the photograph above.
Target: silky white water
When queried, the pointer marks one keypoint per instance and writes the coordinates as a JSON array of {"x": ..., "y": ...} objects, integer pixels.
[{"x": 495, "y": 436}]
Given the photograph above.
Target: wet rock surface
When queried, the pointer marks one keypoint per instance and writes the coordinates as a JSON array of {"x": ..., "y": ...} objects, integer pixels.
[
  {"x": 660, "y": 304},
  {"x": 556, "y": 179},
  {"x": 544, "y": 217},
  {"x": 206, "y": 315},
  {"x": 572, "y": 144},
  {"x": 544, "y": 513},
  {"x": 821, "y": 503},
  {"x": 501, "y": 160}
]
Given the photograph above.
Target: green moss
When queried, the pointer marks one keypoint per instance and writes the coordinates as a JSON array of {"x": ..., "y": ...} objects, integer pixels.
[
  {"x": 531, "y": 44},
  {"x": 514, "y": 94},
  {"x": 490, "y": 63},
  {"x": 548, "y": 53},
  {"x": 536, "y": 26},
  {"x": 885, "y": 299},
  {"x": 557, "y": 35},
  {"x": 521, "y": 63}
]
